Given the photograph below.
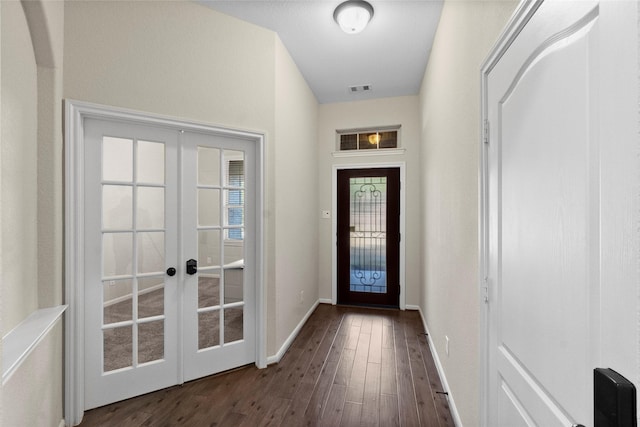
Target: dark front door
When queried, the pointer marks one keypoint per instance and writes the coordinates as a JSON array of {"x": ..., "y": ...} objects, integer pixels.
[{"x": 369, "y": 236}]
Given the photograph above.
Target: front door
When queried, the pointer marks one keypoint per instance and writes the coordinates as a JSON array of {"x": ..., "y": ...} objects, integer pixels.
[
  {"x": 169, "y": 257},
  {"x": 557, "y": 182},
  {"x": 368, "y": 227}
]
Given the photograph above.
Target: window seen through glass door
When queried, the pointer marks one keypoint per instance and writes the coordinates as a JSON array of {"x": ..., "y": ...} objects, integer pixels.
[{"x": 235, "y": 199}]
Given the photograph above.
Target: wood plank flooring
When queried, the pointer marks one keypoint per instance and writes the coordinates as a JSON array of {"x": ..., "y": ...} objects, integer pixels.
[{"x": 347, "y": 367}]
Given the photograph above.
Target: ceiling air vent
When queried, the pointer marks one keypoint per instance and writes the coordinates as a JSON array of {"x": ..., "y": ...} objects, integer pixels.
[{"x": 360, "y": 88}]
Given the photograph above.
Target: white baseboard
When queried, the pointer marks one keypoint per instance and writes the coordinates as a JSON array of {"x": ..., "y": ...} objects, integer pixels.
[
  {"x": 285, "y": 346},
  {"x": 443, "y": 379},
  {"x": 325, "y": 301},
  {"x": 414, "y": 307}
]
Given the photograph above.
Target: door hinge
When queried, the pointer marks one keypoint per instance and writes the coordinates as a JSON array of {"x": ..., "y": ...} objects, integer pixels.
[
  {"x": 486, "y": 131},
  {"x": 485, "y": 290}
]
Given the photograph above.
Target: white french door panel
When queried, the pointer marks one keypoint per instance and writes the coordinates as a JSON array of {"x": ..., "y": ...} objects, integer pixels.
[
  {"x": 170, "y": 256},
  {"x": 131, "y": 336},
  {"x": 543, "y": 220},
  {"x": 219, "y": 316}
]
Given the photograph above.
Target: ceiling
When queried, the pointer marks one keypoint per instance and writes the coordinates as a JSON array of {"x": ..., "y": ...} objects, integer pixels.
[{"x": 390, "y": 54}]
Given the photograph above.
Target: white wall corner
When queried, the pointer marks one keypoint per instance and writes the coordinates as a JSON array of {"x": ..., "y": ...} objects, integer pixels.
[
  {"x": 443, "y": 379},
  {"x": 285, "y": 346}
]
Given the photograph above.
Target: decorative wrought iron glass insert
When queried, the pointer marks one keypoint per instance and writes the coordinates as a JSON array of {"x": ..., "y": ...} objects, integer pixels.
[
  {"x": 368, "y": 234},
  {"x": 368, "y": 139}
]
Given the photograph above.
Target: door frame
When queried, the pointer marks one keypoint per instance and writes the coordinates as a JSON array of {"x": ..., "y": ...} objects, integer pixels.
[
  {"x": 75, "y": 113},
  {"x": 334, "y": 224}
]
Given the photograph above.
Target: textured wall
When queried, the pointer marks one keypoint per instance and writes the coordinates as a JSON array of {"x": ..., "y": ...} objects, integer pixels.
[
  {"x": 19, "y": 270},
  {"x": 32, "y": 195},
  {"x": 450, "y": 110},
  {"x": 296, "y": 181}
]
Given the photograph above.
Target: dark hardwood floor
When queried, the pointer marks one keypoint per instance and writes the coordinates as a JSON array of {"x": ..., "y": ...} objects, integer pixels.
[{"x": 347, "y": 367}]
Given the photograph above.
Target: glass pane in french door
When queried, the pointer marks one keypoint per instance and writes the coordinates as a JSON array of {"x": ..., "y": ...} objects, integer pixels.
[
  {"x": 220, "y": 231},
  {"x": 133, "y": 251}
]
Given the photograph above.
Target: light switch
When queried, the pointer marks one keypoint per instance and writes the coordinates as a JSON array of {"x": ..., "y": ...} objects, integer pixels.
[{"x": 326, "y": 214}]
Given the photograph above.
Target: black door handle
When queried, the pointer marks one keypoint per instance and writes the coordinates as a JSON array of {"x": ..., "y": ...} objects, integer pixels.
[
  {"x": 171, "y": 271},
  {"x": 192, "y": 266}
]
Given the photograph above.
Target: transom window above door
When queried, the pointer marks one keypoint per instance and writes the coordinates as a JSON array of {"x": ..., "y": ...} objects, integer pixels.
[{"x": 377, "y": 138}]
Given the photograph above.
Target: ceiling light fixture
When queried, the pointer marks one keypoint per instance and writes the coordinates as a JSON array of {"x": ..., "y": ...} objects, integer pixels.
[
  {"x": 353, "y": 15},
  {"x": 374, "y": 138}
]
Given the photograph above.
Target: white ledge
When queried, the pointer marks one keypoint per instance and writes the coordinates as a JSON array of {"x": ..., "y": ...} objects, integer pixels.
[
  {"x": 24, "y": 338},
  {"x": 365, "y": 153}
]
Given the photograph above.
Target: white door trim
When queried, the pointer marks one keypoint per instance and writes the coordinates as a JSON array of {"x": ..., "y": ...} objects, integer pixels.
[
  {"x": 334, "y": 225},
  {"x": 75, "y": 113}
]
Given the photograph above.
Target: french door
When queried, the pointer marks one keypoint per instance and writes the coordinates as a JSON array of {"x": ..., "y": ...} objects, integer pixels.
[
  {"x": 368, "y": 228},
  {"x": 169, "y": 257}
]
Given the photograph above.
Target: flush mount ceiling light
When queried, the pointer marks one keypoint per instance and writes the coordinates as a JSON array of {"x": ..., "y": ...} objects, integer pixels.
[{"x": 353, "y": 15}]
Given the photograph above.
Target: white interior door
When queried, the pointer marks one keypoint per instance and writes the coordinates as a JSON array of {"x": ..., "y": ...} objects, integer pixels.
[
  {"x": 552, "y": 241},
  {"x": 131, "y": 219},
  {"x": 169, "y": 249},
  {"x": 219, "y": 232}
]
